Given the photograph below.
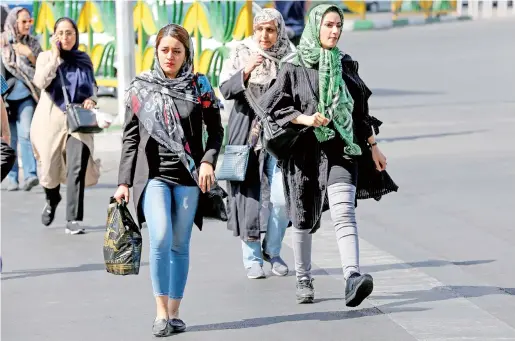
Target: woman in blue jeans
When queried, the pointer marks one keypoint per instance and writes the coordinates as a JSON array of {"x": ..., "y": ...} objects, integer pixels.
[
  {"x": 251, "y": 67},
  {"x": 19, "y": 53},
  {"x": 164, "y": 160}
]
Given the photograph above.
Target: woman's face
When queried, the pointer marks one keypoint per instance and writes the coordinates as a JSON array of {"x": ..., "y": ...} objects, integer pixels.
[
  {"x": 330, "y": 30},
  {"x": 66, "y": 34},
  {"x": 24, "y": 22},
  {"x": 171, "y": 54},
  {"x": 266, "y": 34}
]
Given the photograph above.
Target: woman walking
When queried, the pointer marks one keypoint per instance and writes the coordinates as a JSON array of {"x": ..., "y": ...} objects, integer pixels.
[
  {"x": 252, "y": 66},
  {"x": 20, "y": 50},
  {"x": 64, "y": 157},
  {"x": 164, "y": 160},
  {"x": 325, "y": 160}
]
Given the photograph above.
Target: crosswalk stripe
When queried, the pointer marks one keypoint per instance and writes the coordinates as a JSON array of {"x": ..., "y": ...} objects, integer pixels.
[{"x": 423, "y": 306}]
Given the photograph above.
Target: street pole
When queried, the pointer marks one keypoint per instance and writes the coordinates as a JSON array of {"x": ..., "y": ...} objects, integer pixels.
[
  {"x": 124, "y": 51},
  {"x": 487, "y": 8}
]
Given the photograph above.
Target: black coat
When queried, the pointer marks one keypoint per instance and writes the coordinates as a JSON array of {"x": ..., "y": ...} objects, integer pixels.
[
  {"x": 306, "y": 172},
  {"x": 140, "y": 155},
  {"x": 246, "y": 198}
]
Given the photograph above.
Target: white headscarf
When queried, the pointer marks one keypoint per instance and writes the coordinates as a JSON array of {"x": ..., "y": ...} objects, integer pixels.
[{"x": 240, "y": 54}]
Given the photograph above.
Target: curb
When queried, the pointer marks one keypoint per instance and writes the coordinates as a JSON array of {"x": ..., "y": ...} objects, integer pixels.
[{"x": 365, "y": 25}]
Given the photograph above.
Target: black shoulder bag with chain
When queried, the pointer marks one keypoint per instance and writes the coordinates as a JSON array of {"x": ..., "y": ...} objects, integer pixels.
[{"x": 80, "y": 119}]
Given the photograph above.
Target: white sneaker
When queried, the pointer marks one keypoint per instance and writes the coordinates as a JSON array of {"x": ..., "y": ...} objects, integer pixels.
[{"x": 73, "y": 227}]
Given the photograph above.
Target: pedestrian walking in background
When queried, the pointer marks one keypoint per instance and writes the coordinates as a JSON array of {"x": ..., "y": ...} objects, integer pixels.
[
  {"x": 20, "y": 49},
  {"x": 64, "y": 157},
  {"x": 293, "y": 13}
]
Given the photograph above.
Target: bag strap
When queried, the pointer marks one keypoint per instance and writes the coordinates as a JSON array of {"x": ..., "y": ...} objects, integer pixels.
[
  {"x": 66, "y": 98},
  {"x": 304, "y": 68}
]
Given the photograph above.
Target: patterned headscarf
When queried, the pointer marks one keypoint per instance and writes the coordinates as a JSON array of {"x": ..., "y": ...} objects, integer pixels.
[
  {"x": 267, "y": 71},
  {"x": 151, "y": 95},
  {"x": 19, "y": 66},
  {"x": 336, "y": 102}
]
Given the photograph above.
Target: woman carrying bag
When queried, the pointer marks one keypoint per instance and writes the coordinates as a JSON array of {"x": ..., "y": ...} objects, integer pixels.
[
  {"x": 252, "y": 67},
  {"x": 164, "y": 161},
  {"x": 64, "y": 156}
]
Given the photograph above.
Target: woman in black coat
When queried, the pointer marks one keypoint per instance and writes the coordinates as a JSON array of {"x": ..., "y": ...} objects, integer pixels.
[
  {"x": 164, "y": 160},
  {"x": 319, "y": 87},
  {"x": 250, "y": 70}
]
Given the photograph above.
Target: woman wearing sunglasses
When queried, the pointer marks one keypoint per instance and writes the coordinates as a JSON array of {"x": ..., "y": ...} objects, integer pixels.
[{"x": 20, "y": 50}]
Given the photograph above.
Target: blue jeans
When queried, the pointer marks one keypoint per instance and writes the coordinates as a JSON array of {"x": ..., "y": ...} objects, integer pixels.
[
  {"x": 169, "y": 211},
  {"x": 277, "y": 222},
  {"x": 20, "y": 118}
]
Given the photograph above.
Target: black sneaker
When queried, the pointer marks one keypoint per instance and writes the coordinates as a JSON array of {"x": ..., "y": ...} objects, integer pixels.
[
  {"x": 161, "y": 328},
  {"x": 73, "y": 227},
  {"x": 305, "y": 291},
  {"x": 178, "y": 325},
  {"x": 48, "y": 214},
  {"x": 357, "y": 288}
]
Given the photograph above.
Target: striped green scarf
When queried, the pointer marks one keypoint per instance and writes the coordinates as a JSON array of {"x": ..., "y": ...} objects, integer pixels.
[{"x": 336, "y": 102}]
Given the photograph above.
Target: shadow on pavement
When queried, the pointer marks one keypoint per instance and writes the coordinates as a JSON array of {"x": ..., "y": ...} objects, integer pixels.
[
  {"x": 429, "y": 136},
  {"x": 314, "y": 316},
  {"x": 395, "y": 92},
  {"x": 440, "y": 293},
  {"x": 19, "y": 274},
  {"x": 385, "y": 267}
]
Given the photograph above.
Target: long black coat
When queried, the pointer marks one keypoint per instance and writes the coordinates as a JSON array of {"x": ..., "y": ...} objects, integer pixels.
[
  {"x": 246, "y": 198},
  {"x": 306, "y": 172}
]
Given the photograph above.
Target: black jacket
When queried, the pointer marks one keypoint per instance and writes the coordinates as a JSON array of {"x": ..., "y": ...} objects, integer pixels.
[
  {"x": 140, "y": 150},
  {"x": 306, "y": 172}
]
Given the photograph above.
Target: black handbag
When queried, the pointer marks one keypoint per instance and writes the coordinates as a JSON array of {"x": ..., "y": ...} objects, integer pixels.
[
  {"x": 278, "y": 141},
  {"x": 80, "y": 119}
]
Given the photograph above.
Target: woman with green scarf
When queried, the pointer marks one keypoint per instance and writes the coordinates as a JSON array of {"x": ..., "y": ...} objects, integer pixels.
[{"x": 319, "y": 87}]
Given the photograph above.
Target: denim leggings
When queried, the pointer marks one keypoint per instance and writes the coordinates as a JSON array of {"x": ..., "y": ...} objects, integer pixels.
[
  {"x": 341, "y": 204},
  {"x": 169, "y": 211},
  {"x": 277, "y": 221},
  {"x": 20, "y": 118}
]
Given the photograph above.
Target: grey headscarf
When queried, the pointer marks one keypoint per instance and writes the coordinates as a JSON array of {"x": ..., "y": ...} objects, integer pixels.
[
  {"x": 19, "y": 66},
  {"x": 267, "y": 71}
]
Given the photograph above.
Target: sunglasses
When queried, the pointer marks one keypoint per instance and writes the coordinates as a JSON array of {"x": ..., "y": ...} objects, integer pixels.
[{"x": 29, "y": 21}]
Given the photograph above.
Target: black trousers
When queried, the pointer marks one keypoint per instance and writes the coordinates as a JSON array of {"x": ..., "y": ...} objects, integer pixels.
[
  {"x": 8, "y": 157},
  {"x": 77, "y": 156}
]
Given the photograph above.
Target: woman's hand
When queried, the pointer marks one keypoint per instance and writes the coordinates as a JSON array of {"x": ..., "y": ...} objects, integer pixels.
[
  {"x": 206, "y": 177},
  {"x": 122, "y": 193},
  {"x": 89, "y": 104},
  {"x": 315, "y": 120},
  {"x": 22, "y": 49},
  {"x": 379, "y": 158},
  {"x": 55, "y": 49},
  {"x": 254, "y": 61}
]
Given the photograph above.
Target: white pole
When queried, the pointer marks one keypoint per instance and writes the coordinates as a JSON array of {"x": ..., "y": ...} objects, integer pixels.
[
  {"x": 124, "y": 51},
  {"x": 474, "y": 8},
  {"x": 502, "y": 8},
  {"x": 459, "y": 8},
  {"x": 488, "y": 7}
]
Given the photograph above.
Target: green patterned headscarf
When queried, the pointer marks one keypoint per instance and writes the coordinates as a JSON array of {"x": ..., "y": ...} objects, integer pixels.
[{"x": 336, "y": 102}]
